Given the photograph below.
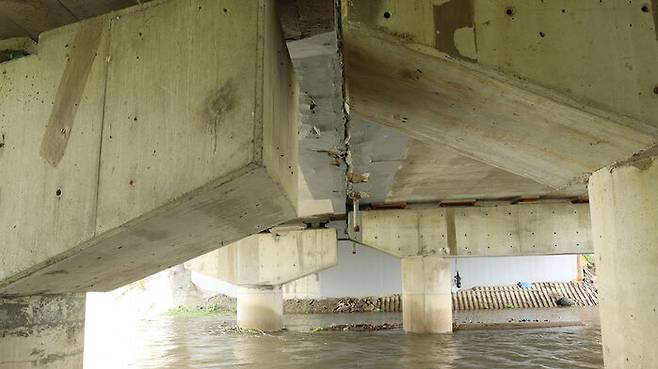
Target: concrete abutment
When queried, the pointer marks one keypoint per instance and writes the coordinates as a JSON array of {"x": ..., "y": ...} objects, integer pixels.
[{"x": 623, "y": 201}]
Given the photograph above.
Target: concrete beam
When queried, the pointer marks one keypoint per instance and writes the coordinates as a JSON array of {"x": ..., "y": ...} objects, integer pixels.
[
  {"x": 166, "y": 130},
  {"x": 270, "y": 259},
  {"x": 625, "y": 231},
  {"x": 513, "y": 230},
  {"x": 45, "y": 332},
  {"x": 397, "y": 76}
]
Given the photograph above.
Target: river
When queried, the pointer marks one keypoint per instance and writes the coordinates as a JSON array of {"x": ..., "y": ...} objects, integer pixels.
[{"x": 201, "y": 342}]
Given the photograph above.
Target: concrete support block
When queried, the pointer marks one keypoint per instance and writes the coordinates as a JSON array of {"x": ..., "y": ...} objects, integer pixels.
[
  {"x": 45, "y": 332},
  {"x": 624, "y": 206},
  {"x": 268, "y": 259},
  {"x": 426, "y": 295},
  {"x": 260, "y": 307}
]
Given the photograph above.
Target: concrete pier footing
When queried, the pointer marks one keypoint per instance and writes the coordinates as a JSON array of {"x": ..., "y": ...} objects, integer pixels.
[
  {"x": 45, "y": 332},
  {"x": 260, "y": 307},
  {"x": 426, "y": 295},
  {"x": 623, "y": 203}
]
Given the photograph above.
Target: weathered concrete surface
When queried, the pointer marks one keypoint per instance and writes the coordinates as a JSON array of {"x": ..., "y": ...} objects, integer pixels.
[
  {"x": 305, "y": 18},
  {"x": 407, "y": 170},
  {"x": 184, "y": 139},
  {"x": 31, "y": 17},
  {"x": 512, "y": 230},
  {"x": 426, "y": 294},
  {"x": 321, "y": 130},
  {"x": 260, "y": 307},
  {"x": 42, "y": 332},
  {"x": 625, "y": 232},
  {"x": 270, "y": 259},
  {"x": 551, "y": 136}
]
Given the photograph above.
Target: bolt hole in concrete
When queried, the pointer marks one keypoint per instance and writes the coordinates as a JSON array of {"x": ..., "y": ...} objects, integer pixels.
[
  {"x": 387, "y": 15},
  {"x": 509, "y": 11},
  {"x": 58, "y": 193},
  {"x": 655, "y": 90},
  {"x": 645, "y": 8}
]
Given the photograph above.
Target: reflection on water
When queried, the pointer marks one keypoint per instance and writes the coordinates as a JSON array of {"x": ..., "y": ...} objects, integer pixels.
[{"x": 168, "y": 342}]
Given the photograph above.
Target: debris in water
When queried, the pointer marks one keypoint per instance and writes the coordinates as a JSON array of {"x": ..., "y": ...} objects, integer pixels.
[{"x": 361, "y": 327}]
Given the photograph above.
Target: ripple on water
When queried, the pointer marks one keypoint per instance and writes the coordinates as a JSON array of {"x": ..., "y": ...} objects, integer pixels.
[{"x": 198, "y": 343}]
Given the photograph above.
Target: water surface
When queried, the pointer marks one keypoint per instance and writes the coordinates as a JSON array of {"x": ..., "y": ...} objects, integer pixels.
[{"x": 200, "y": 342}]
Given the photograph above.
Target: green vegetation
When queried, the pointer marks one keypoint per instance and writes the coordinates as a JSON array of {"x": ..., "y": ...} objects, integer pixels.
[
  {"x": 187, "y": 312},
  {"x": 589, "y": 258}
]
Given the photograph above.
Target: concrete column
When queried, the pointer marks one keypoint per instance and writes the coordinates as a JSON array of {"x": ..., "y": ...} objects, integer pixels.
[
  {"x": 426, "y": 294},
  {"x": 45, "y": 332},
  {"x": 260, "y": 307},
  {"x": 624, "y": 212}
]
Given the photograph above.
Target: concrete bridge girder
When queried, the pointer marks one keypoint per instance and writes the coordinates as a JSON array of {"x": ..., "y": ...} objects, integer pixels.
[
  {"x": 415, "y": 67},
  {"x": 153, "y": 150},
  {"x": 511, "y": 230}
]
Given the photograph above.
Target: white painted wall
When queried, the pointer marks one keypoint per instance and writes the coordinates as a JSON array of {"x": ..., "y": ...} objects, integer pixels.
[
  {"x": 373, "y": 273},
  {"x": 497, "y": 271},
  {"x": 367, "y": 273},
  {"x": 370, "y": 272}
]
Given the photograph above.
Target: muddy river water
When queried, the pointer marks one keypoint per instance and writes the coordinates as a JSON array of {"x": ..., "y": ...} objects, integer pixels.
[{"x": 200, "y": 342}]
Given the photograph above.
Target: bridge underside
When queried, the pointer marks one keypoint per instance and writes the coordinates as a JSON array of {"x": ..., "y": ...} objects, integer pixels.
[{"x": 134, "y": 137}]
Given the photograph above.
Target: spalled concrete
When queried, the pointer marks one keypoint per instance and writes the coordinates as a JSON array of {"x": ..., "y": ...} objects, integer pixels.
[
  {"x": 625, "y": 232},
  {"x": 42, "y": 331}
]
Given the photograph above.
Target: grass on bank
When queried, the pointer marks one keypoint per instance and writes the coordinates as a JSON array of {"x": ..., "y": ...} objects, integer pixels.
[{"x": 201, "y": 311}]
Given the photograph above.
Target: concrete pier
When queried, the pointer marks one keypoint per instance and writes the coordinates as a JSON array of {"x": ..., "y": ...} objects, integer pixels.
[
  {"x": 260, "y": 307},
  {"x": 261, "y": 263},
  {"x": 623, "y": 203},
  {"x": 426, "y": 295},
  {"x": 45, "y": 332}
]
